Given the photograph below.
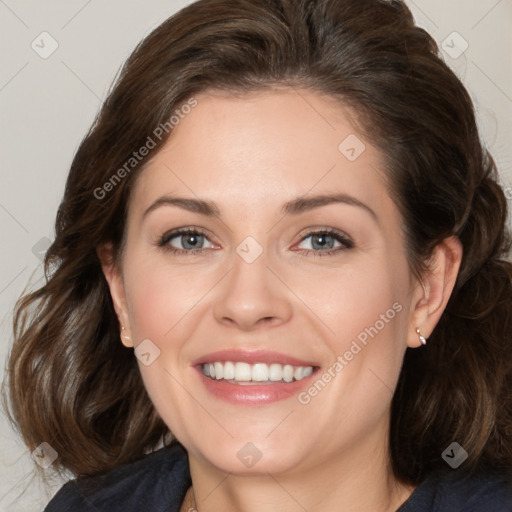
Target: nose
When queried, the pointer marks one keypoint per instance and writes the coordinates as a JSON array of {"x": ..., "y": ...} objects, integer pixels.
[{"x": 251, "y": 296}]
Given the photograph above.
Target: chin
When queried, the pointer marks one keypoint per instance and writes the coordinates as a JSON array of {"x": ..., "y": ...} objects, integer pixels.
[{"x": 243, "y": 456}]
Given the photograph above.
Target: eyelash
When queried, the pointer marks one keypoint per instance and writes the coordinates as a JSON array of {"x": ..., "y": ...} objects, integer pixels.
[{"x": 338, "y": 236}]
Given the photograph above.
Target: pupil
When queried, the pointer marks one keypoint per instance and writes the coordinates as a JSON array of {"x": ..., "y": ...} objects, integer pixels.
[
  {"x": 192, "y": 240},
  {"x": 322, "y": 242}
]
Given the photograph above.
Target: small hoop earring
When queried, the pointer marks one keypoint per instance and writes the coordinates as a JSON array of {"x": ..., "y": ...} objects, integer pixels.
[{"x": 422, "y": 338}]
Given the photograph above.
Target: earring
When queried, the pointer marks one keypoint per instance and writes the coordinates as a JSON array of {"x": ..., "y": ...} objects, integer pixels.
[
  {"x": 422, "y": 338},
  {"x": 125, "y": 336}
]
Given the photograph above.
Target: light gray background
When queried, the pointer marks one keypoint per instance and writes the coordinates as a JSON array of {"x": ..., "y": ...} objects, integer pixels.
[{"x": 47, "y": 105}]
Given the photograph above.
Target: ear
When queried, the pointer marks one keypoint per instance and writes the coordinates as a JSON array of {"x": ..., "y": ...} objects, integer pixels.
[
  {"x": 114, "y": 279},
  {"x": 431, "y": 294}
]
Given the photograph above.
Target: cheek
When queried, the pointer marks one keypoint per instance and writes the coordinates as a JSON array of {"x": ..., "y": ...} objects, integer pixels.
[
  {"x": 350, "y": 300},
  {"x": 366, "y": 311},
  {"x": 161, "y": 303},
  {"x": 160, "y": 296}
]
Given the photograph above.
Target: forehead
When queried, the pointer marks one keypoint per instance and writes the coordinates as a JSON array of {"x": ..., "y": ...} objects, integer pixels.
[{"x": 263, "y": 148}]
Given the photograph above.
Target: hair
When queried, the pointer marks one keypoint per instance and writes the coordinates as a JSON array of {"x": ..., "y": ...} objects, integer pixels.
[{"x": 87, "y": 398}]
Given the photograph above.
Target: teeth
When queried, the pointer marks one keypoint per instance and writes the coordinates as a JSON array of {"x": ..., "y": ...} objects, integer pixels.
[
  {"x": 275, "y": 372},
  {"x": 243, "y": 372},
  {"x": 259, "y": 372},
  {"x": 229, "y": 370},
  {"x": 288, "y": 373},
  {"x": 308, "y": 370}
]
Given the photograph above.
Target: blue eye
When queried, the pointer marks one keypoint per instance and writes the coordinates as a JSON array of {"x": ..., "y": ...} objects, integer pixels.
[
  {"x": 187, "y": 240},
  {"x": 325, "y": 243},
  {"x": 191, "y": 241}
]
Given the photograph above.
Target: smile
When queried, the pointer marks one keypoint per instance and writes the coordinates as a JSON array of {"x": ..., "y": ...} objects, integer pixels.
[
  {"x": 253, "y": 377},
  {"x": 249, "y": 374}
]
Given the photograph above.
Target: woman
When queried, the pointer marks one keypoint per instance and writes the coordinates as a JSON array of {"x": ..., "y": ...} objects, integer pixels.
[{"x": 283, "y": 244}]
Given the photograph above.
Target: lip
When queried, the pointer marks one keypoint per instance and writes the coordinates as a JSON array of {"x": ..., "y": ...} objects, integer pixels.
[
  {"x": 251, "y": 357},
  {"x": 252, "y": 394}
]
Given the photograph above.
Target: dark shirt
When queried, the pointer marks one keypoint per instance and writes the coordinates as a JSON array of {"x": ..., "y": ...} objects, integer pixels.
[{"x": 159, "y": 481}]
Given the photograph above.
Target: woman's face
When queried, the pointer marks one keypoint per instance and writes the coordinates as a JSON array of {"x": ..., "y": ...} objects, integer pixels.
[{"x": 294, "y": 260}]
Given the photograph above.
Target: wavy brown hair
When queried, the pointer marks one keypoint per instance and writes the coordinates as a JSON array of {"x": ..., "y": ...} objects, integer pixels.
[{"x": 87, "y": 398}]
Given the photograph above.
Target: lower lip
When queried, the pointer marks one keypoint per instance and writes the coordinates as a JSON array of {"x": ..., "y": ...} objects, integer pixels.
[{"x": 257, "y": 394}]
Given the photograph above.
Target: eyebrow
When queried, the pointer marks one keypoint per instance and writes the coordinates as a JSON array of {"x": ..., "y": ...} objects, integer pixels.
[{"x": 293, "y": 207}]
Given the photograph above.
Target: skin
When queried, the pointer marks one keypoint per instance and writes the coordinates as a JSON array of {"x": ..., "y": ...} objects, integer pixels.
[{"x": 250, "y": 155}]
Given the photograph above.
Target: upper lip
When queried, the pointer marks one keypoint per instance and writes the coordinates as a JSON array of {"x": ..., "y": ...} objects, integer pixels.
[{"x": 251, "y": 357}]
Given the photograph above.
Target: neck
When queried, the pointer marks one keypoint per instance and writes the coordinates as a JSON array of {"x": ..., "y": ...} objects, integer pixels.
[{"x": 348, "y": 482}]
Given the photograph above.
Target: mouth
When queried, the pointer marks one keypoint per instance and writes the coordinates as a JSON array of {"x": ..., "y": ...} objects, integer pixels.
[
  {"x": 253, "y": 377},
  {"x": 254, "y": 374}
]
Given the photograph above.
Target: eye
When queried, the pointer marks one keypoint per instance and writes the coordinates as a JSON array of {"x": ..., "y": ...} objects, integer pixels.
[
  {"x": 192, "y": 241},
  {"x": 185, "y": 240},
  {"x": 325, "y": 243}
]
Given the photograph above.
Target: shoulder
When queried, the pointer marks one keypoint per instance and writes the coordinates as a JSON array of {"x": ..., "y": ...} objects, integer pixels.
[
  {"x": 157, "y": 482},
  {"x": 454, "y": 491}
]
